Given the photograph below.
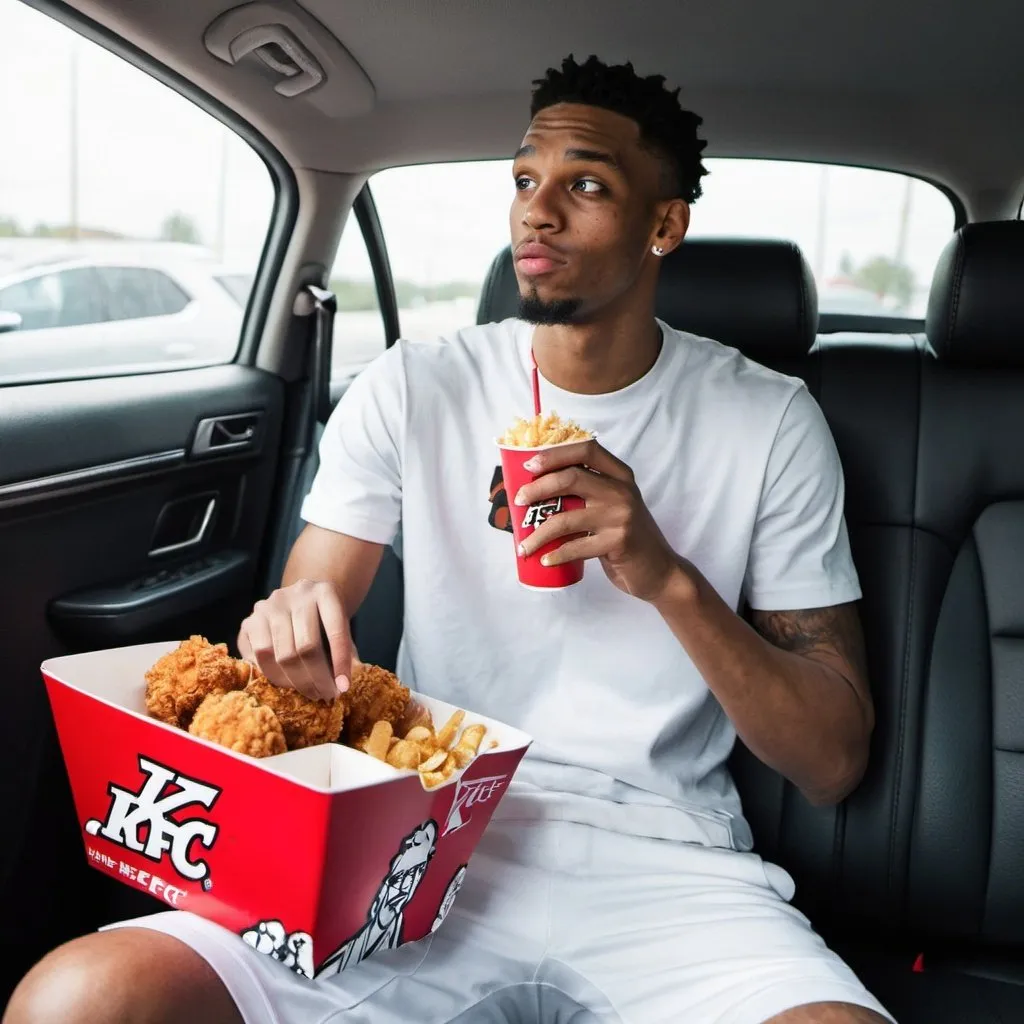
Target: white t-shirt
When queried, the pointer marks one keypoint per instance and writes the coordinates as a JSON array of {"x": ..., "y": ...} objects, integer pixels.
[{"x": 738, "y": 467}]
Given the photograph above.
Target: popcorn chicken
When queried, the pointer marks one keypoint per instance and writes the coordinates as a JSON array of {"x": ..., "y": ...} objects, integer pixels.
[
  {"x": 238, "y": 721},
  {"x": 182, "y": 679},
  {"x": 305, "y": 722}
]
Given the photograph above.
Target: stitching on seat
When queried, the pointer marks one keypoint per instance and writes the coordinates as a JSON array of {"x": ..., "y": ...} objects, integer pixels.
[
  {"x": 958, "y": 276},
  {"x": 901, "y": 735},
  {"x": 986, "y": 610}
]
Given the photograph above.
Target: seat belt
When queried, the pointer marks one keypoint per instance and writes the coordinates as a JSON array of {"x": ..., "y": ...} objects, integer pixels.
[
  {"x": 325, "y": 306},
  {"x": 320, "y": 305}
]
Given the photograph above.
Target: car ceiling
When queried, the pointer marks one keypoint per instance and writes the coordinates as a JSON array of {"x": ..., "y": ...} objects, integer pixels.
[{"x": 930, "y": 88}]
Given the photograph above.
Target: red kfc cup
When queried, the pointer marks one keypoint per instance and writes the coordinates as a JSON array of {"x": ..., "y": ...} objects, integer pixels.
[{"x": 525, "y": 520}]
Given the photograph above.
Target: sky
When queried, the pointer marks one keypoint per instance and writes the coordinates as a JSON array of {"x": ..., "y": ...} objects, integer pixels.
[{"x": 144, "y": 152}]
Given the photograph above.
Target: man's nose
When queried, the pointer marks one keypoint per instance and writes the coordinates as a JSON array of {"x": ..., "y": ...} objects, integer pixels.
[{"x": 542, "y": 212}]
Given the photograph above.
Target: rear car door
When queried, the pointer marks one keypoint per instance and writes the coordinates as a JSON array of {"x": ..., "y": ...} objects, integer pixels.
[{"x": 133, "y": 505}]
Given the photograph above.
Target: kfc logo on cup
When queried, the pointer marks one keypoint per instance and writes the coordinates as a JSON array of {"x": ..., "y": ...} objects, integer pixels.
[
  {"x": 467, "y": 795},
  {"x": 147, "y": 812},
  {"x": 539, "y": 513}
]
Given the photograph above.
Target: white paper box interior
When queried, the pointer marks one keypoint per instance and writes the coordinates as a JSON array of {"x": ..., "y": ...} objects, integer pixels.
[{"x": 117, "y": 677}]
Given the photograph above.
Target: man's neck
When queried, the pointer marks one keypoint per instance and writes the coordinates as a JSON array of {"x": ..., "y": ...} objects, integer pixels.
[{"x": 597, "y": 358}]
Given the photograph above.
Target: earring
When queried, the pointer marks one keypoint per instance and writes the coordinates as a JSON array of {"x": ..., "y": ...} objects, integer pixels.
[{"x": 657, "y": 250}]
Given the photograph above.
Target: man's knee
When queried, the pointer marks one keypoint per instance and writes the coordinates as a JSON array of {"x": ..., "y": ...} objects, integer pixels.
[
  {"x": 829, "y": 1013},
  {"x": 128, "y": 974}
]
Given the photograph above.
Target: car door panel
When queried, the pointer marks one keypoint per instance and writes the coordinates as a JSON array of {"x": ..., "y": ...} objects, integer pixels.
[{"x": 88, "y": 471}]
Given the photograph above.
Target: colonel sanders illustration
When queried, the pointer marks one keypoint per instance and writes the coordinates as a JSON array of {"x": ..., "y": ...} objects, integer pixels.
[
  {"x": 383, "y": 928},
  {"x": 294, "y": 950},
  {"x": 449, "y": 897}
]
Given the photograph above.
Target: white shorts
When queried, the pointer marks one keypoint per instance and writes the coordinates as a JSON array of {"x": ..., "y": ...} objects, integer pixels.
[{"x": 563, "y": 922}]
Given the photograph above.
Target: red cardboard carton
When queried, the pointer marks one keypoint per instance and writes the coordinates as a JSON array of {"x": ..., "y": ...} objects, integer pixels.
[{"x": 318, "y": 857}]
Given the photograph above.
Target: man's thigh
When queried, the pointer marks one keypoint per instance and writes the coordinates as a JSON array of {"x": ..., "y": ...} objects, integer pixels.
[
  {"x": 670, "y": 931},
  {"x": 829, "y": 1013},
  {"x": 480, "y": 961}
]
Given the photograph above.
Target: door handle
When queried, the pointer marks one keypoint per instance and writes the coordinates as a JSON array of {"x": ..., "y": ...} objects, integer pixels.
[
  {"x": 183, "y": 524},
  {"x": 218, "y": 434}
]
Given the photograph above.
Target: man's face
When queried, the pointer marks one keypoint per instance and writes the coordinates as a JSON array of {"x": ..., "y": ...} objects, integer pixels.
[{"x": 587, "y": 206}]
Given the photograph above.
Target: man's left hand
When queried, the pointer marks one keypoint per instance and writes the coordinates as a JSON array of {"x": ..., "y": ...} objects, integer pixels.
[{"x": 618, "y": 527}]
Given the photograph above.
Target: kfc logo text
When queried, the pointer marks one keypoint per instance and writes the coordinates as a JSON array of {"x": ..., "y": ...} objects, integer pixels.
[
  {"x": 539, "y": 513},
  {"x": 141, "y": 821},
  {"x": 467, "y": 795}
]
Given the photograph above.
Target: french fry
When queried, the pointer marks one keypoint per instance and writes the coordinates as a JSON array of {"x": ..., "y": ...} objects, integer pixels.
[
  {"x": 433, "y": 763},
  {"x": 469, "y": 744},
  {"x": 463, "y": 755},
  {"x": 404, "y": 754},
  {"x": 377, "y": 742},
  {"x": 472, "y": 736},
  {"x": 542, "y": 429},
  {"x": 447, "y": 731},
  {"x": 419, "y": 733},
  {"x": 431, "y": 780}
]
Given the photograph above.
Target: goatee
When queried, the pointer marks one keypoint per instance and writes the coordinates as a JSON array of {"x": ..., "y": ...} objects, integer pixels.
[{"x": 556, "y": 313}]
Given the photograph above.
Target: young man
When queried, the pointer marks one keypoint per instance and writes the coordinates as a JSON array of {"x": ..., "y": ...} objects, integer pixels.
[{"x": 615, "y": 882}]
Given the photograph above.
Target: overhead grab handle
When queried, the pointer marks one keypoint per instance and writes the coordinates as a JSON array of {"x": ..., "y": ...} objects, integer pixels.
[
  {"x": 281, "y": 52},
  {"x": 282, "y": 43}
]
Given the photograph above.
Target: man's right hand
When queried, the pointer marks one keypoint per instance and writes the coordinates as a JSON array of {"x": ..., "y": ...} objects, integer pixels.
[{"x": 283, "y": 637}]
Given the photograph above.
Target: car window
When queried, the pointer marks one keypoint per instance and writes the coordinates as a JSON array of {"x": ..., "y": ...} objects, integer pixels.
[
  {"x": 359, "y": 334},
  {"x": 67, "y": 298},
  {"x": 440, "y": 250},
  {"x": 871, "y": 237},
  {"x": 160, "y": 207},
  {"x": 134, "y": 293}
]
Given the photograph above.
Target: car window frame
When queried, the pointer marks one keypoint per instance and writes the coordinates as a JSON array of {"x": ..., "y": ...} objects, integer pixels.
[
  {"x": 367, "y": 222},
  {"x": 372, "y": 231},
  {"x": 283, "y": 215}
]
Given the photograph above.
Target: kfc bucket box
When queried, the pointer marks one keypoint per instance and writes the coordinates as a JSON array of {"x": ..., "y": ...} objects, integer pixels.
[{"x": 318, "y": 857}]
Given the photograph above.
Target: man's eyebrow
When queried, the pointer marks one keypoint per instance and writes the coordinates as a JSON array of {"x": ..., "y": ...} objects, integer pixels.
[{"x": 592, "y": 156}]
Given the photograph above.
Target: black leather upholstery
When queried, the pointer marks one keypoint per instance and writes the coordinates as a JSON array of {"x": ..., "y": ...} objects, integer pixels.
[
  {"x": 975, "y": 315},
  {"x": 499, "y": 298},
  {"x": 758, "y": 296},
  {"x": 928, "y": 853}
]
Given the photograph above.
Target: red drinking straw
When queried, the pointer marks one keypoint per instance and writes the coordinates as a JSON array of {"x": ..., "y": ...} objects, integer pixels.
[{"x": 536, "y": 385}]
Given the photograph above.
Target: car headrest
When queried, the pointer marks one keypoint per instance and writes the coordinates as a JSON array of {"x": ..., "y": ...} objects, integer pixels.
[
  {"x": 757, "y": 296},
  {"x": 976, "y": 304}
]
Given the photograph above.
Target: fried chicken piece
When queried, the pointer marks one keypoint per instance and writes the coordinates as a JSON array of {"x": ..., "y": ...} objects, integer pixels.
[
  {"x": 237, "y": 720},
  {"x": 375, "y": 695},
  {"x": 178, "y": 683},
  {"x": 305, "y": 722}
]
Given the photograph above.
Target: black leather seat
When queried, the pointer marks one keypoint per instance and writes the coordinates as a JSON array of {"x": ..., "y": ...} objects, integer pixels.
[{"x": 927, "y": 856}]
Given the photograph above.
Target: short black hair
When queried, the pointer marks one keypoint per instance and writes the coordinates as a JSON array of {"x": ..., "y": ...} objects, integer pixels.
[{"x": 665, "y": 128}]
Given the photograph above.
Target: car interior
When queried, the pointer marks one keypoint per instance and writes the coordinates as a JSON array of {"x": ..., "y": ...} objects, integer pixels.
[{"x": 147, "y": 506}]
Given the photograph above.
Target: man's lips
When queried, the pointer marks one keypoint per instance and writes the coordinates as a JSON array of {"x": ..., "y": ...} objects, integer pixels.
[{"x": 535, "y": 258}]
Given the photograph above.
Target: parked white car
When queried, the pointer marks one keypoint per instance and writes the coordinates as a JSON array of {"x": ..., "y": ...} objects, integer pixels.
[{"x": 80, "y": 312}]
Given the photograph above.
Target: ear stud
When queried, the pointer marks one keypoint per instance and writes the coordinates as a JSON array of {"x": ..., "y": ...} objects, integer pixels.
[{"x": 657, "y": 250}]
